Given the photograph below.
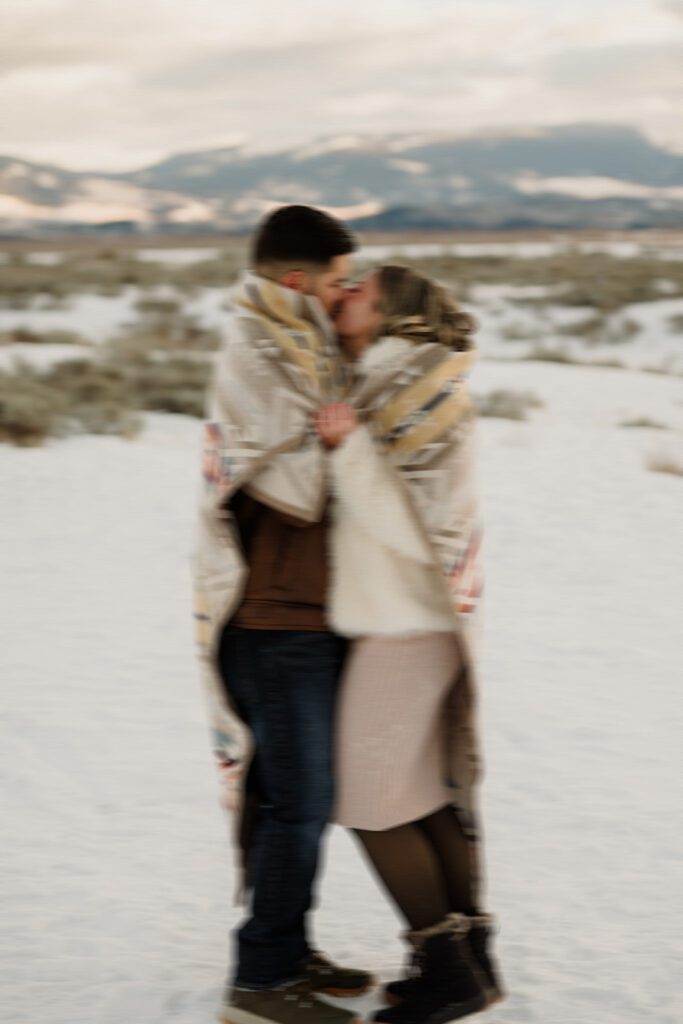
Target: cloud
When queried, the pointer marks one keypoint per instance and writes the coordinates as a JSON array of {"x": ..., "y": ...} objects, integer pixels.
[
  {"x": 637, "y": 69},
  {"x": 674, "y": 7},
  {"x": 118, "y": 84}
]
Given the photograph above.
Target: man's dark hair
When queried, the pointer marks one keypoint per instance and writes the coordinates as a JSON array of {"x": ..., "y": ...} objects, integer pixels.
[{"x": 300, "y": 234}]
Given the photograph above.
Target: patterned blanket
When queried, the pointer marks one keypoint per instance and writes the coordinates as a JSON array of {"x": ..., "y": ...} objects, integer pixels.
[
  {"x": 279, "y": 362},
  {"x": 419, "y": 409}
]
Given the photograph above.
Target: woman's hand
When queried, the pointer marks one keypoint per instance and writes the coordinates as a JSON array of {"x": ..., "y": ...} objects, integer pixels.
[{"x": 334, "y": 422}]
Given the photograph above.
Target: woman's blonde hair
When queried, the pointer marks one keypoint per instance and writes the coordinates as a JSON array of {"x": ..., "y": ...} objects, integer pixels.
[{"x": 419, "y": 309}]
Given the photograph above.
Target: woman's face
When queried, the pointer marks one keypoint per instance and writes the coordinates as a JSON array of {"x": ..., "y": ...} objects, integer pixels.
[{"x": 360, "y": 315}]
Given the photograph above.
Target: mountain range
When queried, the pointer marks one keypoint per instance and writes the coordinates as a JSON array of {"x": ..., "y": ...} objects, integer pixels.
[{"x": 597, "y": 176}]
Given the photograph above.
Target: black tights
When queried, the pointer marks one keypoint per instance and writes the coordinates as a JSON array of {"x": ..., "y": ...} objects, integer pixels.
[{"x": 425, "y": 866}]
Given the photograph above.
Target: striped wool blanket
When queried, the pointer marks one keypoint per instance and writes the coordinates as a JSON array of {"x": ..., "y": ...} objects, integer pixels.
[
  {"x": 278, "y": 363},
  {"x": 417, "y": 404}
]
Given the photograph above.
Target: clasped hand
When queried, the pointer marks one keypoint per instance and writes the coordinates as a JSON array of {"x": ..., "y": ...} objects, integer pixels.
[{"x": 334, "y": 422}]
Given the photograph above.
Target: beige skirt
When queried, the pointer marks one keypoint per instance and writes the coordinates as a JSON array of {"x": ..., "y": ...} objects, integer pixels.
[{"x": 390, "y": 739}]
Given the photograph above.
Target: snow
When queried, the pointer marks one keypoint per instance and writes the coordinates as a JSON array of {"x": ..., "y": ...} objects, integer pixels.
[
  {"x": 192, "y": 211},
  {"x": 94, "y": 317},
  {"x": 14, "y": 208},
  {"x": 15, "y": 170},
  {"x": 97, "y": 200},
  {"x": 409, "y": 166},
  {"x": 46, "y": 179},
  {"x": 41, "y": 355},
  {"x": 595, "y": 187},
  {"x": 159, "y": 255},
  {"x": 322, "y": 147},
  {"x": 180, "y": 256},
  {"x": 370, "y": 208},
  {"x": 97, "y": 318},
  {"x": 661, "y": 246},
  {"x": 501, "y": 309},
  {"x": 199, "y": 168},
  {"x": 116, "y": 856},
  {"x": 45, "y": 259},
  {"x": 658, "y": 246}
]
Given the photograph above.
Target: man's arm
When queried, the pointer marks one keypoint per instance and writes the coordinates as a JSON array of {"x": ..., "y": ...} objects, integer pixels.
[{"x": 258, "y": 436}]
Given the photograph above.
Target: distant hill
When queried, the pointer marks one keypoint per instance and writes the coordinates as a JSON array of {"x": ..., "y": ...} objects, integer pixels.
[{"x": 564, "y": 177}]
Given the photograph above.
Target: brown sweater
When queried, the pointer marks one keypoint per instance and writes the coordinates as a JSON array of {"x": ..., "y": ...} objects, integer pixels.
[{"x": 287, "y": 558}]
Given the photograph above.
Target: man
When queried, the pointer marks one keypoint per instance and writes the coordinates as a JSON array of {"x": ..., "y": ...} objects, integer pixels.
[{"x": 261, "y": 575}]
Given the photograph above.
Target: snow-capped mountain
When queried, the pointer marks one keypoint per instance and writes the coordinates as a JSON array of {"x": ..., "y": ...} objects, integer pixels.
[{"x": 581, "y": 175}]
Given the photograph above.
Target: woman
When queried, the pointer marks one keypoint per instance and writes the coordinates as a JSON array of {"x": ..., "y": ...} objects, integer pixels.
[{"x": 401, "y": 471}]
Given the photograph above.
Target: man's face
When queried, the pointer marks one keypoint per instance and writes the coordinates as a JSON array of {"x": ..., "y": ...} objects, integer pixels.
[
  {"x": 360, "y": 313},
  {"x": 329, "y": 286}
]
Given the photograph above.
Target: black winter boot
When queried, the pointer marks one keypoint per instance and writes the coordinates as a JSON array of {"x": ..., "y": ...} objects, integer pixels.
[
  {"x": 396, "y": 991},
  {"x": 482, "y": 930},
  {"x": 451, "y": 985}
]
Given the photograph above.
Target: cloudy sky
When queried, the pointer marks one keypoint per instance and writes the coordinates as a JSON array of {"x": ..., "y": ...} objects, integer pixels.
[{"x": 117, "y": 84}]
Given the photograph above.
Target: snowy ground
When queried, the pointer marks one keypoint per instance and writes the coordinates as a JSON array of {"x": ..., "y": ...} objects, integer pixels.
[
  {"x": 619, "y": 244},
  {"x": 640, "y": 335},
  {"x": 116, "y": 856},
  {"x": 529, "y": 249},
  {"x": 96, "y": 318}
]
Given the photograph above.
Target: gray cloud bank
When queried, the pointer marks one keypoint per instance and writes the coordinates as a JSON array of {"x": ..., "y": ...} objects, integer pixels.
[{"x": 116, "y": 85}]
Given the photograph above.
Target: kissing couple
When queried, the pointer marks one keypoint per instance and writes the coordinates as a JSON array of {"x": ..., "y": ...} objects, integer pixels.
[{"x": 337, "y": 578}]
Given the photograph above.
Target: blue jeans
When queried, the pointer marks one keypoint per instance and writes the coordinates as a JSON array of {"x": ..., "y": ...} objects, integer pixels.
[{"x": 284, "y": 684}]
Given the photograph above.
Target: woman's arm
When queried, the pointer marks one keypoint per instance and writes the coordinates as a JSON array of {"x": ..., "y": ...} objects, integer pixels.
[{"x": 372, "y": 496}]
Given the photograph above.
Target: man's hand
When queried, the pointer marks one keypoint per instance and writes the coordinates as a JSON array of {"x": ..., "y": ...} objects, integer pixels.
[{"x": 334, "y": 422}]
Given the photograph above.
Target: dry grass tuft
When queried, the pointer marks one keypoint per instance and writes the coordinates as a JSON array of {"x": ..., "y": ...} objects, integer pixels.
[
  {"x": 507, "y": 405},
  {"x": 664, "y": 464}
]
